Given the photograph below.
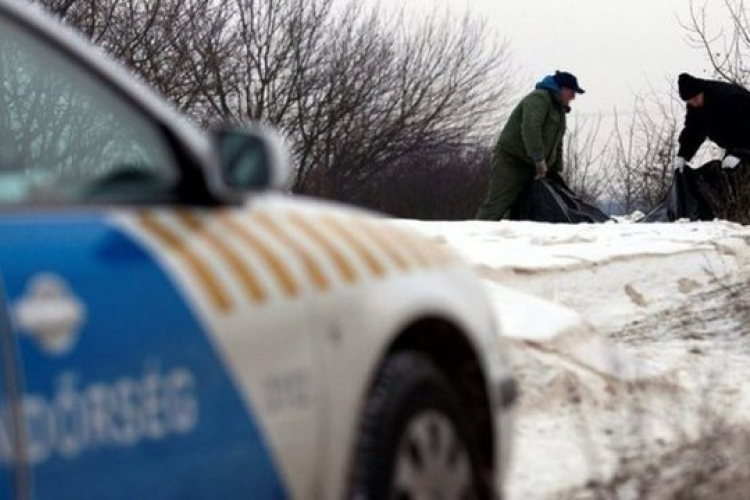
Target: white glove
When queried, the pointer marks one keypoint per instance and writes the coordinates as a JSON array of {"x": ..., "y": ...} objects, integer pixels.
[
  {"x": 541, "y": 169},
  {"x": 679, "y": 164},
  {"x": 730, "y": 161}
]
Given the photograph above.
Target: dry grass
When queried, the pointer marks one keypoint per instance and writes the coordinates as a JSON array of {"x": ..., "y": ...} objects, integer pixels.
[
  {"x": 729, "y": 196},
  {"x": 715, "y": 467},
  {"x": 713, "y": 461}
]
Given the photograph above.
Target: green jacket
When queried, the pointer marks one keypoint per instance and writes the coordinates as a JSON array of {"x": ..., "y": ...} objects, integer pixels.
[{"x": 535, "y": 130}]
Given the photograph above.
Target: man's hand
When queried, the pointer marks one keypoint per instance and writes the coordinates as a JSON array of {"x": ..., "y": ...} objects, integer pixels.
[
  {"x": 730, "y": 161},
  {"x": 679, "y": 164},
  {"x": 541, "y": 169}
]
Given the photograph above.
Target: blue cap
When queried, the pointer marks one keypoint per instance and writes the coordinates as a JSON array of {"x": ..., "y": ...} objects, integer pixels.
[{"x": 565, "y": 79}]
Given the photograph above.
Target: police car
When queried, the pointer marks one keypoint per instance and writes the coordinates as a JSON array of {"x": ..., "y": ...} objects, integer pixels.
[{"x": 171, "y": 327}]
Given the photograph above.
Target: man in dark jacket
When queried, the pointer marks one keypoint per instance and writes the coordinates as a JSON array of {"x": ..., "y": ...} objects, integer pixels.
[
  {"x": 718, "y": 111},
  {"x": 530, "y": 144}
]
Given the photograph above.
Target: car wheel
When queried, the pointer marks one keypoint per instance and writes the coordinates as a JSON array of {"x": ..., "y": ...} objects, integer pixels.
[{"x": 414, "y": 442}]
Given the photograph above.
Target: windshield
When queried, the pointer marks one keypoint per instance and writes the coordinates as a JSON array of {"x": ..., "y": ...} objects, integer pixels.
[{"x": 65, "y": 136}]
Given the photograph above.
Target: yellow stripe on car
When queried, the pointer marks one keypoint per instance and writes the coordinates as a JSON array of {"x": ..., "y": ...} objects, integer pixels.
[
  {"x": 388, "y": 245},
  {"x": 277, "y": 267},
  {"x": 313, "y": 269},
  {"x": 254, "y": 256},
  {"x": 249, "y": 281},
  {"x": 206, "y": 279},
  {"x": 345, "y": 267},
  {"x": 430, "y": 252},
  {"x": 372, "y": 262},
  {"x": 404, "y": 241}
]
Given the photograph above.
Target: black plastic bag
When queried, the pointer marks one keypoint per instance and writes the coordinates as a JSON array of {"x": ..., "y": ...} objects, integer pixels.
[
  {"x": 551, "y": 200},
  {"x": 693, "y": 194}
]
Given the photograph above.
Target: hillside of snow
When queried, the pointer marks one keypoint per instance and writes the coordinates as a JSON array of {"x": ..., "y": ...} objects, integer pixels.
[{"x": 631, "y": 344}]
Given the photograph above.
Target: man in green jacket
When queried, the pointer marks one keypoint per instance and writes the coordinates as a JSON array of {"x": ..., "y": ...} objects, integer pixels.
[{"x": 530, "y": 144}]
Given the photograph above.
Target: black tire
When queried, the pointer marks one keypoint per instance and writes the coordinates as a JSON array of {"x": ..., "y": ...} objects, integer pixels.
[{"x": 412, "y": 420}]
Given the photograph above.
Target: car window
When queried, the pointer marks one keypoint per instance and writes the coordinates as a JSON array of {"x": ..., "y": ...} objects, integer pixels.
[{"x": 66, "y": 136}]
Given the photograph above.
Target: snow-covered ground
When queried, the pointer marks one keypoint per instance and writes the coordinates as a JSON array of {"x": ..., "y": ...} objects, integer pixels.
[{"x": 631, "y": 343}]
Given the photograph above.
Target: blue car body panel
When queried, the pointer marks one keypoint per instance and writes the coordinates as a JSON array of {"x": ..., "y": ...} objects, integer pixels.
[{"x": 141, "y": 405}]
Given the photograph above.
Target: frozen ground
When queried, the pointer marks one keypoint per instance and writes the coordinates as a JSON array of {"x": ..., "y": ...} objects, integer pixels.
[{"x": 631, "y": 343}]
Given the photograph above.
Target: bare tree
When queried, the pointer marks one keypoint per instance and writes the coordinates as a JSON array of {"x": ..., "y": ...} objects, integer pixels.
[
  {"x": 661, "y": 126},
  {"x": 355, "y": 90},
  {"x": 174, "y": 45},
  {"x": 448, "y": 183},
  {"x": 727, "y": 47},
  {"x": 585, "y": 168},
  {"x": 641, "y": 154},
  {"x": 394, "y": 89}
]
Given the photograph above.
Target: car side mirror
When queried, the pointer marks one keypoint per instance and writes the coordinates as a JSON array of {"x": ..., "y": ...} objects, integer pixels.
[{"x": 253, "y": 159}]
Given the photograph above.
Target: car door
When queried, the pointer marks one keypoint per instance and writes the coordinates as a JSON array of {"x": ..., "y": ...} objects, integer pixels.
[{"x": 124, "y": 394}]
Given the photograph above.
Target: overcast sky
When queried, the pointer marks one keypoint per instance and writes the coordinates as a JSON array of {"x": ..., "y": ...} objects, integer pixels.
[{"x": 616, "y": 48}]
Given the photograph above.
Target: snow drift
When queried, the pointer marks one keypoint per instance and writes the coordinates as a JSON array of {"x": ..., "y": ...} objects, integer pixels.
[{"x": 617, "y": 332}]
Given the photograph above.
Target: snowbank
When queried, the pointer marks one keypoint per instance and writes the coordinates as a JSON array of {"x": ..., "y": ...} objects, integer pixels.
[
  {"x": 622, "y": 337},
  {"x": 577, "y": 279},
  {"x": 573, "y": 281},
  {"x": 607, "y": 272}
]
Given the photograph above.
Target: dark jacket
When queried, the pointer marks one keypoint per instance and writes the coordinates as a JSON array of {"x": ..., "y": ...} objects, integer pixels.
[
  {"x": 536, "y": 128},
  {"x": 533, "y": 132},
  {"x": 724, "y": 118}
]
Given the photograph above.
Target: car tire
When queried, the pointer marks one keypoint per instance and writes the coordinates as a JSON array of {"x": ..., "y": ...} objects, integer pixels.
[{"x": 414, "y": 441}]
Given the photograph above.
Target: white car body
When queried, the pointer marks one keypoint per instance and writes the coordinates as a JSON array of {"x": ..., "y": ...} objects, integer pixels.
[{"x": 360, "y": 282}]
